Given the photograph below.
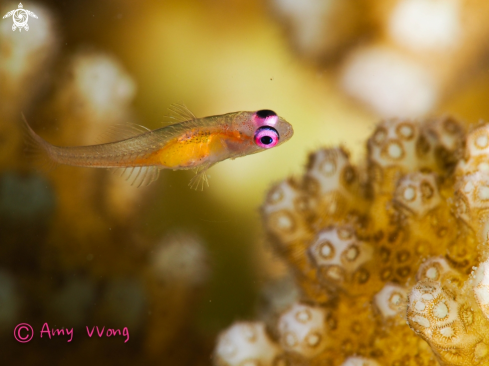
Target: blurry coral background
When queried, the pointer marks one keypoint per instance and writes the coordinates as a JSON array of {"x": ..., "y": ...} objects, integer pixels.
[{"x": 81, "y": 247}]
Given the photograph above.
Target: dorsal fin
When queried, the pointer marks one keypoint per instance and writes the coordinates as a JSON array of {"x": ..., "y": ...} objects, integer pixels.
[
  {"x": 180, "y": 113},
  {"x": 121, "y": 131}
]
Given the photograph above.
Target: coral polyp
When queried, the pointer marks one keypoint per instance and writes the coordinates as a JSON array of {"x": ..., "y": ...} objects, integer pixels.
[{"x": 391, "y": 255}]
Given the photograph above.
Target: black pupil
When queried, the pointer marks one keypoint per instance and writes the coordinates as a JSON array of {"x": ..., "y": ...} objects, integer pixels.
[
  {"x": 266, "y": 140},
  {"x": 264, "y": 113}
]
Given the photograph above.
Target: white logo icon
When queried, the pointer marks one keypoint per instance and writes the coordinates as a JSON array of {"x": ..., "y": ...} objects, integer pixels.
[{"x": 20, "y": 17}]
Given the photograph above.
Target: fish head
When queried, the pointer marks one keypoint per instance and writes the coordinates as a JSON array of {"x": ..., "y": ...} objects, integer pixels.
[{"x": 265, "y": 129}]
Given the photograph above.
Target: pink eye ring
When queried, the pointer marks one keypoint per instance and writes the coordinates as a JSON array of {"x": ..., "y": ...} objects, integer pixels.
[
  {"x": 266, "y": 137},
  {"x": 265, "y": 117}
]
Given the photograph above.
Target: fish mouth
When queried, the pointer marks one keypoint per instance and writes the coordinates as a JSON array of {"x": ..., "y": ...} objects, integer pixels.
[
  {"x": 286, "y": 137},
  {"x": 290, "y": 132}
]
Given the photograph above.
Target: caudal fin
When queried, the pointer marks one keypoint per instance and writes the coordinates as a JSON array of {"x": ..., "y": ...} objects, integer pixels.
[{"x": 36, "y": 147}]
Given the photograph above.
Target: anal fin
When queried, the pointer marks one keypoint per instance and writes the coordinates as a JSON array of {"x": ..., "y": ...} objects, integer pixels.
[{"x": 138, "y": 176}]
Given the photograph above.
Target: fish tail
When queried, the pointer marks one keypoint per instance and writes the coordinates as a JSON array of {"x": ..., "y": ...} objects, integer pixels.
[{"x": 37, "y": 148}]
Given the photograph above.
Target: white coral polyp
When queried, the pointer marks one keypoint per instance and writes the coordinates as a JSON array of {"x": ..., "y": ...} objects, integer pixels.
[
  {"x": 426, "y": 25},
  {"x": 389, "y": 83},
  {"x": 418, "y": 193},
  {"x": 331, "y": 169},
  {"x": 359, "y": 361},
  {"x": 431, "y": 308},
  {"x": 476, "y": 158},
  {"x": 394, "y": 144},
  {"x": 180, "y": 257},
  {"x": 102, "y": 83},
  {"x": 391, "y": 300},
  {"x": 435, "y": 269},
  {"x": 283, "y": 209},
  {"x": 472, "y": 202},
  {"x": 447, "y": 132},
  {"x": 308, "y": 19},
  {"x": 302, "y": 330},
  {"x": 246, "y": 343},
  {"x": 339, "y": 250}
]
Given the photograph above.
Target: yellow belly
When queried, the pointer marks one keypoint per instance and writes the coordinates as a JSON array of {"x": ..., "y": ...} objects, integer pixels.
[{"x": 191, "y": 151}]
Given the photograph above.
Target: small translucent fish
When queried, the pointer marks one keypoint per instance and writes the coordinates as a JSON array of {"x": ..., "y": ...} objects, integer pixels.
[{"x": 195, "y": 143}]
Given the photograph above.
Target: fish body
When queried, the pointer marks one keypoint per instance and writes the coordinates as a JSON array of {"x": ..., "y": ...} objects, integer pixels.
[{"x": 197, "y": 143}]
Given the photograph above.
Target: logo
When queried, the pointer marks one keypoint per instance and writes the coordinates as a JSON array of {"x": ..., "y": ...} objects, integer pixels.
[{"x": 20, "y": 17}]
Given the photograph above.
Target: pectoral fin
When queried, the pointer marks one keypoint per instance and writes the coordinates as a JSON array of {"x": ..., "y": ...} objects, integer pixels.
[{"x": 200, "y": 178}]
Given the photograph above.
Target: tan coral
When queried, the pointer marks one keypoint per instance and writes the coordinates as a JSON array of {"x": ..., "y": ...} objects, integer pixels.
[
  {"x": 425, "y": 213},
  {"x": 420, "y": 231},
  {"x": 286, "y": 212},
  {"x": 288, "y": 217},
  {"x": 397, "y": 147}
]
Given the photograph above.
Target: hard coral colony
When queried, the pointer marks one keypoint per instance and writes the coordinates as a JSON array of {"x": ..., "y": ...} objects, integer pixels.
[{"x": 385, "y": 255}]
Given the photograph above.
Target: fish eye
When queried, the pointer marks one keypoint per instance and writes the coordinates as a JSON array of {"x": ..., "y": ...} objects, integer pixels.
[
  {"x": 265, "y": 113},
  {"x": 266, "y": 137}
]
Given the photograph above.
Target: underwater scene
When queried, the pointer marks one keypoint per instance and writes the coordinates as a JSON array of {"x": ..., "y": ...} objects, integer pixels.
[{"x": 244, "y": 182}]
